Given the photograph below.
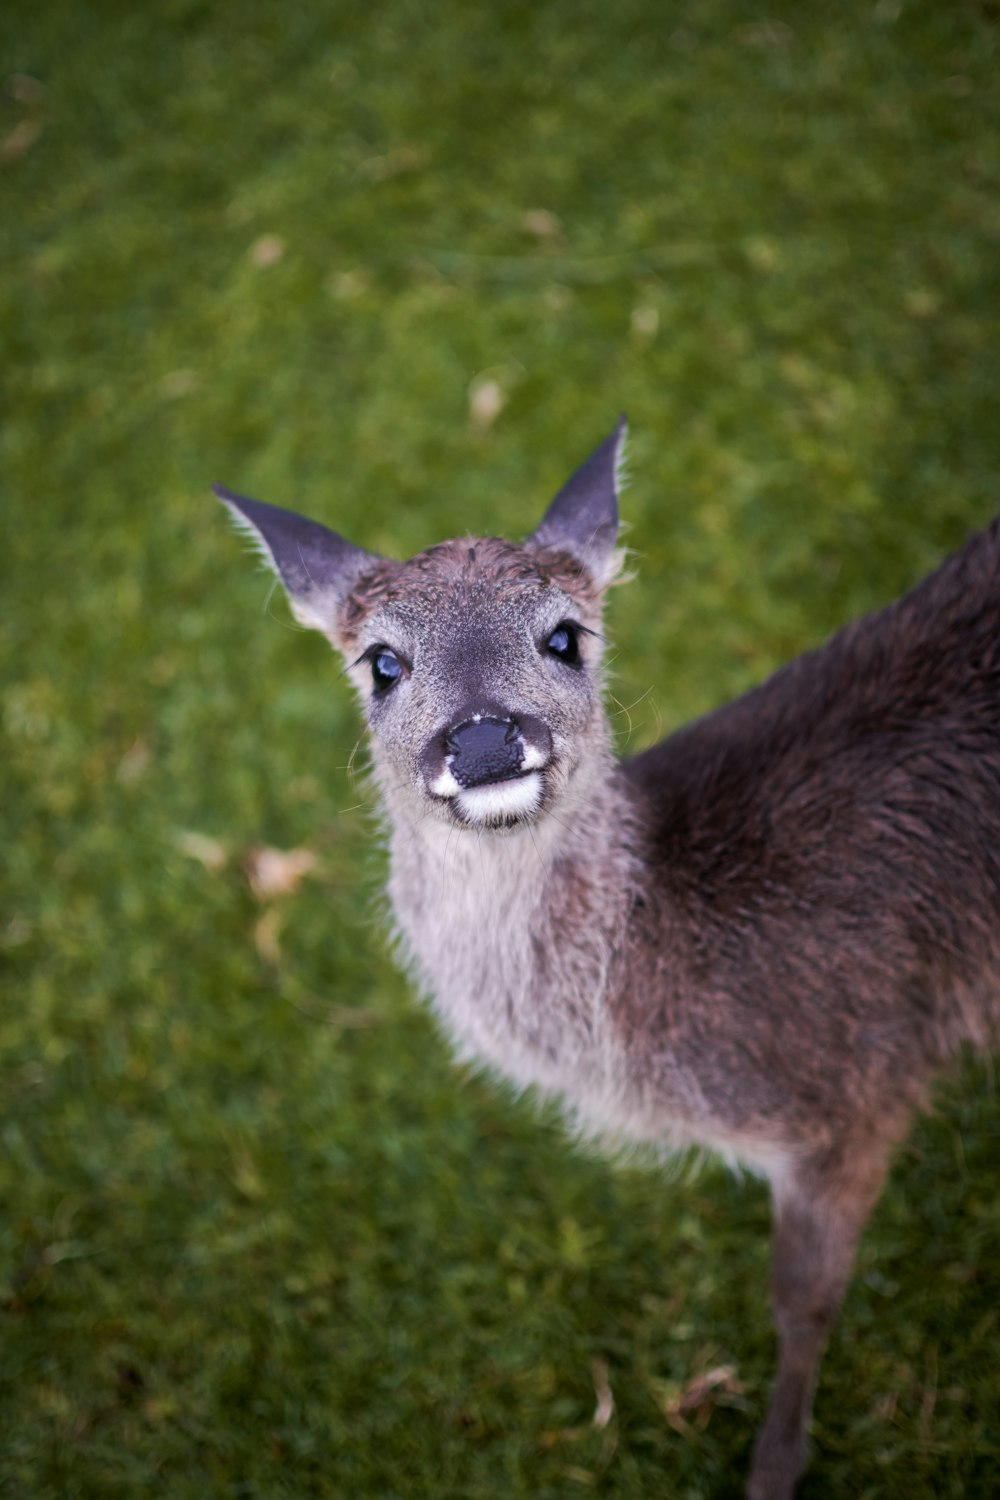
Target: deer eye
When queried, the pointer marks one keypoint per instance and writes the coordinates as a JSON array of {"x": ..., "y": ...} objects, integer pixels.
[
  {"x": 386, "y": 667},
  {"x": 564, "y": 642}
]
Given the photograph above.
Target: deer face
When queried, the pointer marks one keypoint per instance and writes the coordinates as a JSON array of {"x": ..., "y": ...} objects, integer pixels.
[
  {"x": 479, "y": 670},
  {"x": 478, "y": 661}
]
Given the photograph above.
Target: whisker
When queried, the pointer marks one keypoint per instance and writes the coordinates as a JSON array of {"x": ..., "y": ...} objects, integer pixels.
[
  {"x": 635, "y": 702},
  {"x": 621, "y": 709}
]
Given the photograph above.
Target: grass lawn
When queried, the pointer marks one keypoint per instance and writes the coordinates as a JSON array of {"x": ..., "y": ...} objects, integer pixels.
[{"x": 400, "y": 266}]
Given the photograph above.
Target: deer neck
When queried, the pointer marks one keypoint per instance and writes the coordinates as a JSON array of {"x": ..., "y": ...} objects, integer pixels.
[{"x": 512, "y": 933}]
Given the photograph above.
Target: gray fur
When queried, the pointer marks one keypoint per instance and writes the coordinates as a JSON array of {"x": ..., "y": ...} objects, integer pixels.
[{"x": 764, "y": 936}]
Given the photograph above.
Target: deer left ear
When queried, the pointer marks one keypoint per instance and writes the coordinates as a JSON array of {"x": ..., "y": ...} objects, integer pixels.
[
  {"x": 583, "y": 518},
  {"x": 317, "y": 566}
]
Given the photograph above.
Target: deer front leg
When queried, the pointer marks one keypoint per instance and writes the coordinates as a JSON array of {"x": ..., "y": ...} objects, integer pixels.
[{"x": 818, "y": 1219}]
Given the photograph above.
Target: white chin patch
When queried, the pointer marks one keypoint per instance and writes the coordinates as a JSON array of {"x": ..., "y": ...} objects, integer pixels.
[
  {"x": 500, "y": 802},
  {"x": 445, "y": 785}
]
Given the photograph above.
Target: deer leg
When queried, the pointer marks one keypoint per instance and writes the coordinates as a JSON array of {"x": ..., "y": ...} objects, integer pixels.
[{"x": 818, "y": 1219}]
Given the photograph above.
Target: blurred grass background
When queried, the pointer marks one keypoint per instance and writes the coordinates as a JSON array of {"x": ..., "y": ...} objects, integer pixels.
[{"x": 400, "y": 266}]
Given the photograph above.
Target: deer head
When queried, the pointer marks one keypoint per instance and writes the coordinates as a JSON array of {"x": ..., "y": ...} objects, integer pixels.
[{"x": 478, "y": 660}]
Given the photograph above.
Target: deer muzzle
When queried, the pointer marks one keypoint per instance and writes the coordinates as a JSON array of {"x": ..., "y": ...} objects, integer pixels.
[{"x": 489, "y": 767}]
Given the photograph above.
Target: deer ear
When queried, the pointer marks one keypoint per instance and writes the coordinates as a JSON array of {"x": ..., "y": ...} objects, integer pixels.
[
  {"x": 583, "y": 518},
  {"x": 317, "y": 567}
]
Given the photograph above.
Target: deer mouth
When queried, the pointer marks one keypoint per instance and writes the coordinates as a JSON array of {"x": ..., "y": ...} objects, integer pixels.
[{"x": 499, "y": 804}]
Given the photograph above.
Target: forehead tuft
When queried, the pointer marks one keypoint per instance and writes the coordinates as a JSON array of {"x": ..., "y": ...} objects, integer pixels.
[
  {"x": 371, "y": 591},
  {"x": 466, "y": 566}
]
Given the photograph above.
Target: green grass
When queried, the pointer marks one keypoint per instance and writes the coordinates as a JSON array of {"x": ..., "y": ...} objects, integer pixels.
[{"x": 259, "y": 1237}]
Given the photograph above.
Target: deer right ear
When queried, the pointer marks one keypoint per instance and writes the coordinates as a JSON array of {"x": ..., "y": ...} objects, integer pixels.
[
  {"x": 317, "y": 567},
  {"x": 583, "y": 518}
]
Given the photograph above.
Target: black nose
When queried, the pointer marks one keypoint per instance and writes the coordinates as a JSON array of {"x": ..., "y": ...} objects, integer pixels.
[{"x": 483, "y": 750}]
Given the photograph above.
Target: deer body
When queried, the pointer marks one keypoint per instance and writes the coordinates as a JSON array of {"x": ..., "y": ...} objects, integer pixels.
[{"x": 765, "y": 935}]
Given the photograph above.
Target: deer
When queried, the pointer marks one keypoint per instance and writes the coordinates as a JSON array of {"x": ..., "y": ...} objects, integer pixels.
[{"x": 766, "y": 935}]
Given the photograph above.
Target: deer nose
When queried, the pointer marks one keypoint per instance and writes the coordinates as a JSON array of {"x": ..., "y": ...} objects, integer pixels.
[{"x": 483, "y": 750}]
